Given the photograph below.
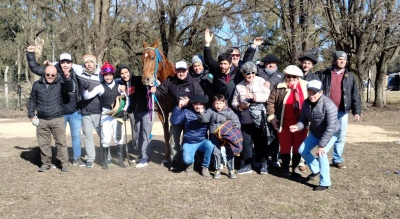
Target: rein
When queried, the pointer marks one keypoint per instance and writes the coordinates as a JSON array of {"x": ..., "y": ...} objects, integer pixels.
[{"x": 150, "y": 105}]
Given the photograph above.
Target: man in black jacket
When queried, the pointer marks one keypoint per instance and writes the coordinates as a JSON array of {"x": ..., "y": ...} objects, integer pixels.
[
  {"x": 203, "y": 77},
  {"x": 307, "y": 62},
  {"x": 45, "y": 109},
  {"x": 71, "y": 100},
  {"x": 181, "y": 87},
  {"x": 340, "y": 86},
  {"x": 268, "y": 70}
]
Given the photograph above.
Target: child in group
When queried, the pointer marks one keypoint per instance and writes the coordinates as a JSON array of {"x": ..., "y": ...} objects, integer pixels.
[
  {"x": 109, "y": 91},
  {"x": 217, "y": 116}
]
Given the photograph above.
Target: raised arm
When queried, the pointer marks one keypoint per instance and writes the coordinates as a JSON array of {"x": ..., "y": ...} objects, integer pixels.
[
  {"x": 33, "y": 65},
  {"x": 212, "y": 64}
]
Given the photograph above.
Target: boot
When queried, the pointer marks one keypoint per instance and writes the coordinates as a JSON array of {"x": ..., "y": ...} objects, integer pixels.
[
  {"x": 285, "y": 165},
  {"x": 104, "y": 157},
  {"x": 295, "y": 165},
  {"x": 120, "y": 154}
]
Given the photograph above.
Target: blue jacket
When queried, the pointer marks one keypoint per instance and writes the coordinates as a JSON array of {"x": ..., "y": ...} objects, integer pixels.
[{"x": 194, "y": 131}]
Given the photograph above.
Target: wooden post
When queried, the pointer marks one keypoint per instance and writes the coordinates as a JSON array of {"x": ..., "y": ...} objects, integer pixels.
[
  {"x": 369, "y": 86},
  {"x": 6, "y": 85}
]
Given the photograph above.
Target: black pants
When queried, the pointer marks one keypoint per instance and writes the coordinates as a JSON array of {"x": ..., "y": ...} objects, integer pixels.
[{"x": 252, "y": 134}]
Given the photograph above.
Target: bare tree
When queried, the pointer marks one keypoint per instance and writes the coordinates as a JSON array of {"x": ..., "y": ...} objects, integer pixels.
[{"x": 362, "y": 29}]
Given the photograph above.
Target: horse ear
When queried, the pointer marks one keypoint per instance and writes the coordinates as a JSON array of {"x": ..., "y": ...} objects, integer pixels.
[
  {"x": 145, "y": 44},
  {"x": 155, "y": 44}
]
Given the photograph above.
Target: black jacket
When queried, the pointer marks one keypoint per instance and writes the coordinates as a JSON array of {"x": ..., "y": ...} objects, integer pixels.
[
  {"x": 273, "y": 79},
  {"x": 205, "y": 79},
  {"x": 350, "y": 97},
  {"x": 71, "y": 99},
  {"x": 138, "y": 99},
  {"x": 227, "y": 88},
  {"x": 213, "y": 65},
  {"x": 178, "y": 88},
  {"x": 310, "y": 76},
  {"x": 46, "y": 99}
]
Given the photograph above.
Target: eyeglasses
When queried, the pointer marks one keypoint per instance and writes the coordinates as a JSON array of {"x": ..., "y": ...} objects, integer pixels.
[
  {"x": 291, "y": 76},
  {"x": 50, "y": 75},
  {"x": 235, "y": 55},
  {"x": 249, "y": 73}
]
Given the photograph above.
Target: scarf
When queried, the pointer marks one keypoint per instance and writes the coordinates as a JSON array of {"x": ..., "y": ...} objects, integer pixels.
[{"x": 298, "y": 98}]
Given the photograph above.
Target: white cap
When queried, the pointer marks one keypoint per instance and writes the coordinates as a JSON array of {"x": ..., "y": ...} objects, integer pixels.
[
  {"x": 65, "y": 56},
  {"x": 181, "y": 65},
  {"x": 314, "y": 85},
  {"x": 293, "y": 70}
]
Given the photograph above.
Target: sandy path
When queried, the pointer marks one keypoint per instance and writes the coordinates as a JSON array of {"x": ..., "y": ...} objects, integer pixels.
[{"x": 20, "y": 128}]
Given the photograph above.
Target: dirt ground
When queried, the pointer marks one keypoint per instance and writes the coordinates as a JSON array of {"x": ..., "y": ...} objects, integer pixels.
[{"x": 368, "y": 188}]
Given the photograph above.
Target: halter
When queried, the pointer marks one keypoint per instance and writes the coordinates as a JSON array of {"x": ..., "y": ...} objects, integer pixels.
[
  {"x": 150, "y": 105},
  {"x": 158, "y": 60}
]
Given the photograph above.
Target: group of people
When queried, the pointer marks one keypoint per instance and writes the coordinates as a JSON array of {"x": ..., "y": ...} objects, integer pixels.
[{"x": 272, "y": 114}]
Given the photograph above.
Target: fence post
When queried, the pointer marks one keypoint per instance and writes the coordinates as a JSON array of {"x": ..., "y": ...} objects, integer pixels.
[{"x": 6, "y": 86}]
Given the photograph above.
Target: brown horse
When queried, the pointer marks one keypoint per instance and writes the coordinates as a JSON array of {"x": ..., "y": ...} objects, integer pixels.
[{"x": 157, "y": 66}]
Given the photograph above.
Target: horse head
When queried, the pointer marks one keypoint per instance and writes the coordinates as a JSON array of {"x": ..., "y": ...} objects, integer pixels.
[{"x": 153, "y": 63}]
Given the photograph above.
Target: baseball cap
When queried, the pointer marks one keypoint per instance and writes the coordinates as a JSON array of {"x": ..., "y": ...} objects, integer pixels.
[
  {"x": 314, "y": 85},
  {"x": 65, "y": 56},
  {"x": 181, "y": 65}
]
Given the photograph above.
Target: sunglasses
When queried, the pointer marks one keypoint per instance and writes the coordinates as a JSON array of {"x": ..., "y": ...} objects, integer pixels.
[
  {"x": 249, "y": 73},
  {"x": 235, "y": 55},
  {"x": 50, "y": 75},
  {"x": 291, "y": 76}
]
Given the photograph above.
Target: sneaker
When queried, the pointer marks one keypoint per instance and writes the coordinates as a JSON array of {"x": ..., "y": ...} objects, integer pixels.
[
  {"x": 44, "y": 168},
  {"x": 296, "y": 173},
  {"x": 142, "y": 163},
  {"x": 245, "y": 170},
  {"x": 339, "y": 165},
  {"x": 205, "y": 172},
  {"x": 321, "y": 188},
  {"x": 303, "y": 169},
  {"x": 55, "y": 165},
  {"x": 276, "y": 164},
  {"x": 89, "y": 164},
  {"x": 78, "y": 162},
  {"x": 264, "y": 169},
  {"x": 312, "y": 176},
  {"x": 232, "y": 174},
  {"x": 217, "y": 174},
  {"x": 189, "y": 169},
  {"x": 65, "y": 168}
]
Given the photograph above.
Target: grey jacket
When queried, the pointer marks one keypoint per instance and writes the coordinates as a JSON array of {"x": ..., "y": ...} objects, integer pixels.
[
  {"x": 216, "y": 119},
  {"x": 323, "y": 119}
]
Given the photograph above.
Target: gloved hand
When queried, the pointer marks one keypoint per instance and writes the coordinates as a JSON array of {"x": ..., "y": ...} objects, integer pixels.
[
  {"x": 85, "y": 83},
  {"x": 123, "y": 114},
  {"x": 35, "y": 121}
]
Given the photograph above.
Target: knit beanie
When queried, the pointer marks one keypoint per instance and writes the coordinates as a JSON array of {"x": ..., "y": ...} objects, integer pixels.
[
  {"x": 195, "y": 59},
  {"x": 339, "y": 54}
]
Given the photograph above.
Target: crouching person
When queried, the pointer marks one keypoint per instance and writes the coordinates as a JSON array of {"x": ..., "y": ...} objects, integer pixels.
[
  {"x": 321, "y": 113},
  {"x": 195, "y": 133},
  {"x": 46, "y": 100},
  {"x": 113, "y": 103}
]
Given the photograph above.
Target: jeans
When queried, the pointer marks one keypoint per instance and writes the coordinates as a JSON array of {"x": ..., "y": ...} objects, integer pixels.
[
  {"x": 341, "y": 137},
  {"x": 75, "y": 124},
  {"x": 143, "y": 126},
  {"x": 175, "y": 141},
  {"x": 218, "y": 154},
  {"x": 133, "y": 130},
  {"x": 189, "y": 150},
  {"x": 90, "y": 122},
  {"x": 317, "y": 164}
]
